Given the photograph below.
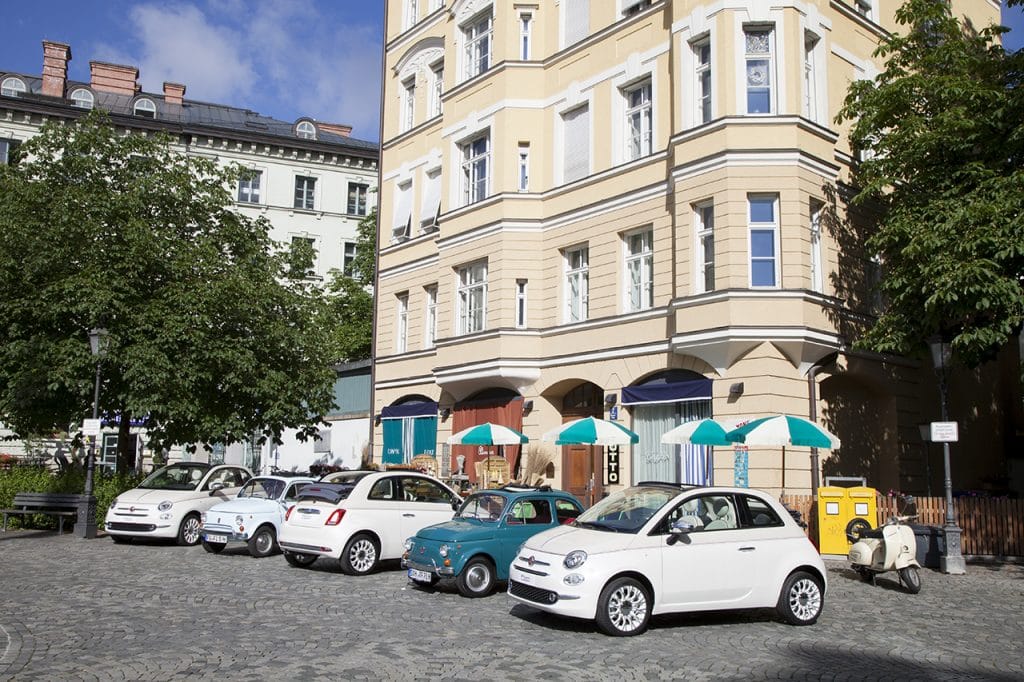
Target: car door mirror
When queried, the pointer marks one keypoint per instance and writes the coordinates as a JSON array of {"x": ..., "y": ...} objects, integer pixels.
[
  {"x": 216, "y": 487},
  {"x": 456, "y": 504}
]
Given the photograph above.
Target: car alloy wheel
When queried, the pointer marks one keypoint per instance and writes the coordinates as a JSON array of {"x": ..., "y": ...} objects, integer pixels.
[
  {"x": 624, "y": 608},
  {"x": 360, "y": 555},
  {"x": 477, "y": 578},
  {"x": 801, "y": 600},
  {"x": 263, "y": 543},
  {"x": 189, "y": 533}
]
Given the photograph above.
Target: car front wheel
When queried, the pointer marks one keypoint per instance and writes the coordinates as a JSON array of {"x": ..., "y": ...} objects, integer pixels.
[
  {"x": 624, "y": 608},
  {"x": 299, "y": 560},
  {"x": 189, "y": 531},
  {"x": 360, "y": 555},
  {"x": 263, "y": 543},
  {"x": 801, "y": 600},
  {"x": 477, "y": 578}
]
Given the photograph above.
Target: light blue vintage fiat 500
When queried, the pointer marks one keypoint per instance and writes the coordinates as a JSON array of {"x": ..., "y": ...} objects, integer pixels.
[{"x": 476, "y": 547}]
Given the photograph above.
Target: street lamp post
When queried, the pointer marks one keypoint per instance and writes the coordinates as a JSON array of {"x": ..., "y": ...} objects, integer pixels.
[
  {"x": 85, "y": 527},
  {"x": 952, "y": 561}
]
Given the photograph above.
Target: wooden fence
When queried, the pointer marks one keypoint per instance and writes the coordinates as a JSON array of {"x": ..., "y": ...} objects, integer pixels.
[{"x": 991, "y": 527}]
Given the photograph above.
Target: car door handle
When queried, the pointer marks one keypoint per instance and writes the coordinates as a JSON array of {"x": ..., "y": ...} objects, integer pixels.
[
  {"x": 747, "y": 549},
  {"x": 408, "y": 515}
]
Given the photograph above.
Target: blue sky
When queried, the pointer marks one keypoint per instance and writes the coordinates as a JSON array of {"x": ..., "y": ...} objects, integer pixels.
[{"x": 282, "y": 58}]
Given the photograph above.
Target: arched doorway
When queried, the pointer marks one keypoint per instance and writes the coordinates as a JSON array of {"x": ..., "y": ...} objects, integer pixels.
[
  {"x": 582, "y": 465},
  {"x": 497, "y": 406}
]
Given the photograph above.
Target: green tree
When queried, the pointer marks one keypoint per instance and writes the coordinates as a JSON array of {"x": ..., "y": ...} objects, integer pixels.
[
  {"x": 210, "y": 338},
  {"x": 943, "y": 142},
  {"x": 351, "y": 296}
]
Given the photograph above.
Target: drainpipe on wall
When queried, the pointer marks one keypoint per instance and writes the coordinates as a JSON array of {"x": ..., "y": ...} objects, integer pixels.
[{"x": 812, "y": 396}]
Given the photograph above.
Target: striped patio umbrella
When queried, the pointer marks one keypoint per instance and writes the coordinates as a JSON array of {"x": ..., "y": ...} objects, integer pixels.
[
  {"x": 487, "y": 434},
  {"x": 783, "y": 430},
  {"x": 591, "y": 431},
  {"x": 703, "y": 432}
]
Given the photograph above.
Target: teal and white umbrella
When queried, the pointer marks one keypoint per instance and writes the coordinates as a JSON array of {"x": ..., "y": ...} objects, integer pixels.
[
  {"x": 487, "y": 434},
  {"x": 783, "y": 430},
  {"x": 591, "y": 431},
  {"x": 703, "y": 432}
]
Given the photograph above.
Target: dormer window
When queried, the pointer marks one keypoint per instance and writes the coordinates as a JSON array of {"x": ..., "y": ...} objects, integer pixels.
[
  {"x": 12, "y": 87},
  {"x": 306, "y": 130},
  {"x": 145, "y": 108},
  {"x": 82, "y": 98}
]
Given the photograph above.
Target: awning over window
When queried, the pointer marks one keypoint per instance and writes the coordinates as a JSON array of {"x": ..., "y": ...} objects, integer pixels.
[
  {"x": 424, "y": 409},
  {"x": 674, "y": 392}
]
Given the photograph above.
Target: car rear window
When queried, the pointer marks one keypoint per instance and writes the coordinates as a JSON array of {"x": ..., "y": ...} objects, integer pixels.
[{"x": 331, "y": 493}]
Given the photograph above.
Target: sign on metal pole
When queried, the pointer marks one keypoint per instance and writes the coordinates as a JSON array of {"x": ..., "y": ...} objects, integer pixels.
[
  {"x": 945, "y": 432},
  {"x": 90, "y": 427}
]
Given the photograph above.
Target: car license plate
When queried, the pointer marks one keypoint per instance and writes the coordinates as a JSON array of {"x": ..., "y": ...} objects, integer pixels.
[
  {"x": 419, "y": 576},
  {"x": 216, "y": 538}
]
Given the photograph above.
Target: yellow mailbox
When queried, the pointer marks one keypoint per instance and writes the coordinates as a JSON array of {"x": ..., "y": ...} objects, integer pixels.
[{"x": 839, "y": 510}]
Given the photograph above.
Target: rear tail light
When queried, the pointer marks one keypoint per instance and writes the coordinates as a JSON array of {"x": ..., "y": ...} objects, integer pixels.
[
  {"x": 335, "y": 518},
  {"x": 289, "y": 512}
]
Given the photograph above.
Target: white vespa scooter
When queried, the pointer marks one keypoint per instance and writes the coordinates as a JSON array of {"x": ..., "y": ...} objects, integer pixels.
[{"x": 891, "y": 547}]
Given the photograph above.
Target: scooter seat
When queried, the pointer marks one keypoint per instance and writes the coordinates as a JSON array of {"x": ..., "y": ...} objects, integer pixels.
[{"x": 873, "y": 533}]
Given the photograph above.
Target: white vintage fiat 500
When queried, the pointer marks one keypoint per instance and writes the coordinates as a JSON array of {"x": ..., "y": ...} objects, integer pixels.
[
  {"x": 168, "y": 502},
  {"x": 665, "y": 548},
  {"x": 253, "y": 517}
]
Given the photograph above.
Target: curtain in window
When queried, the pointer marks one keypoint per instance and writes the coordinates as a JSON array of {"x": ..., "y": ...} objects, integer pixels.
[
  {"x": 576, "y": 124},
  {"x": 406, "y": 437},
  {"x": 577, "y": 21},
  {"x": 653, "y": 460}
]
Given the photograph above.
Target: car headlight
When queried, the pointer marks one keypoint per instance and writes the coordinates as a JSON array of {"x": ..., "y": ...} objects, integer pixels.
[
  {"x": 239, "y": 520},
  {"x": 165, "y": 505},
  {"x": 575, "y": 559},
  {"x": 443, "y": 550},
  {"x": 408, "y": 544}
]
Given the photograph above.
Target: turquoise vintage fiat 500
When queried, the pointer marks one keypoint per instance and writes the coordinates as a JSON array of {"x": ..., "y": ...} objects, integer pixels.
[{"x": 477, "y": 546}]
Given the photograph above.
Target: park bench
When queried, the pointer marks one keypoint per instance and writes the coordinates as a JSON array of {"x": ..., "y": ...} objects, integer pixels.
[{"x": 57, "y": 505}]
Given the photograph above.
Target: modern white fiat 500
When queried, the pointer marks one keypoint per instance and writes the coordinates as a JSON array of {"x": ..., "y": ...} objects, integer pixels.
[
  {"x": 664, "y": 548},
  {"x": 168, "y": 502},
  {"x": 363, "y": 521}
]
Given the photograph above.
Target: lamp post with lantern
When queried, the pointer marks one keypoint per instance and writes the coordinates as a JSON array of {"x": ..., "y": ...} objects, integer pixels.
[
  {"x": 952, "y": 561},
  {"x": 85, "y": 527}
]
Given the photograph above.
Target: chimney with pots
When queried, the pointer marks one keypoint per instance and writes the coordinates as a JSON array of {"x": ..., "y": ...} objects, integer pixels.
[
  {"x": 336, "y": 128},
  {"x": 114, "y": 78},
  {"x": 174, "y": 93},
  {"x": 55, "y": 68}
]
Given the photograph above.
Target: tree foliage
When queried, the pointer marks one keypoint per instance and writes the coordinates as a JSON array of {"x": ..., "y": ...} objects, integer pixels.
[
  {"x": 351, "y": 296},
  {"x": 942, "y": 132},
  {"x": 210, "y": 339}
]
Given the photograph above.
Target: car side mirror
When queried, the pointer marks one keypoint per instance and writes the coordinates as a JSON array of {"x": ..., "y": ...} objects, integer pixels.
[
  {"x": 456, "y": 504},
  {"x": 216, "y": 487}
]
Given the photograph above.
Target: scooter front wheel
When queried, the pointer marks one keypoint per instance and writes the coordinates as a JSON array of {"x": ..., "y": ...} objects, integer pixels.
[{"x": 911, "y": 579}]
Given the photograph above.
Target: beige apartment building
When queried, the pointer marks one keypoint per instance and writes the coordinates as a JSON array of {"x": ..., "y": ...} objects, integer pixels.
[{"x": 637, "y": 210}]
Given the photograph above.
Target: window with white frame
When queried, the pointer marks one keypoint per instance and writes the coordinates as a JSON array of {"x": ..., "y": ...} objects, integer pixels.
[
  {"x": 577, "y": 284},
  {"x": 524, "y": 167},
  {"x": 348, "y": 259},
  {"x": 638, "y": 120},
  {"x": 759, "y": 65},
  {"x": 764, "y": 231},
  {"x": 402, "y": 322},
  {"x": 472, "y": 298},
  {"x": 639, "y": 270},
  {"x": 436, "y": 88},
  {"x": 431, "y": 208},
  {"x": 249, "y": 186},
  {"x": 476, "y": 40},
  {"x": 702, "y": 60},
  {"x": 305, "y": 247},
  {"x": 7, "y": 147},
  {"x": 305, "y": 192},
  {"x": 521, "y": 304},
  {"x": 576, "y": 143},
  {"x": 577, "y": 21},
  {"x": 305, "y": 130},
  {"x": 476, "y": 162},
  {"x": 704, "y": 229},
  {"x": 810, "y": 76},
  {"x": 408, "y": 103},
  {"x": 145, "y": 108},
  {"x": 410, "y": 13},
  {"x": 82, "y": 98},
  {"x": 631, "y": 7},
  {"x": 817, "y": 275},
  {"x": 430, "y": 317},
  {"x": 357, "y": 198},
  {"x": 525, "y": 35},
  {"x": 403, "y": 211},
  {"x": 865, "y": 8},
  {"x": 12, "y": 87}
]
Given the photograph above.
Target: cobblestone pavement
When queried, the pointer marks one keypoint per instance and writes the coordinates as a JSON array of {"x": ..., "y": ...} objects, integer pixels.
[{"x": 75, "y": 609}]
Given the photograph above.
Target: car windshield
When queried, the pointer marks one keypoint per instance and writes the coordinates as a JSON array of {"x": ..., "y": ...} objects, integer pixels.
[
  {"x": 262, "y": 488},
  {"x": 626, "y": 511},
  {"x": 483, "y": 506},
  {"x": 175, "y": 477}
]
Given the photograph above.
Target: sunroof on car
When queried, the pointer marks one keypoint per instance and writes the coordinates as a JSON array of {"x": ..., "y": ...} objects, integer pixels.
[{"x": 331, "y": 493}]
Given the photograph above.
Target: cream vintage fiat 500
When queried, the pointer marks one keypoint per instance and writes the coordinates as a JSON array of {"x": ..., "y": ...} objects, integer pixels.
[
  {"x": 168, "y": 503},
  {"x": 666, "y": 548}
]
